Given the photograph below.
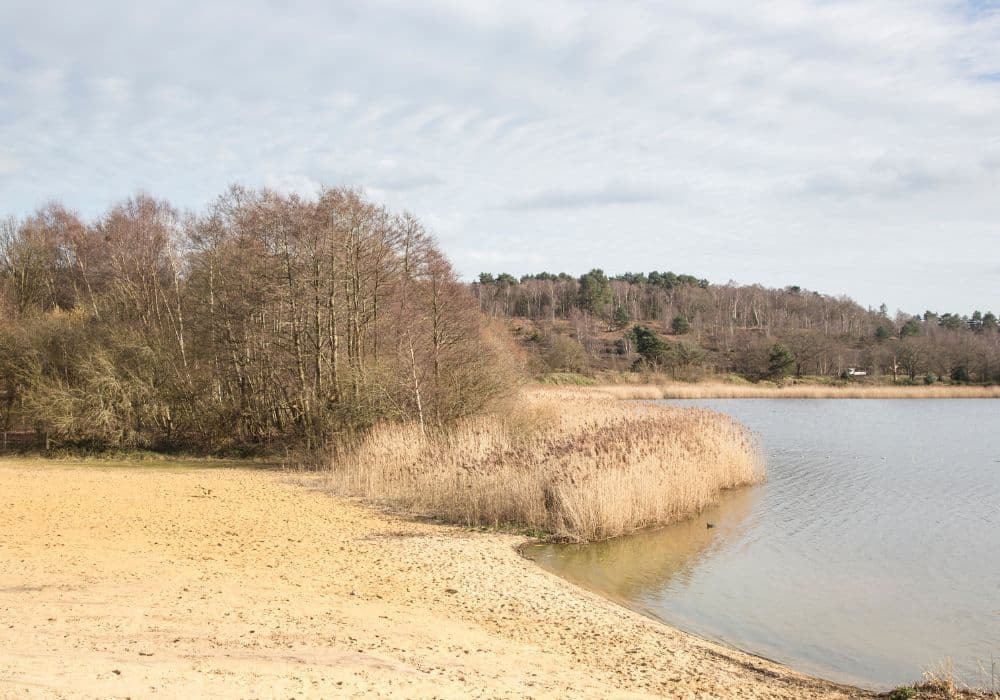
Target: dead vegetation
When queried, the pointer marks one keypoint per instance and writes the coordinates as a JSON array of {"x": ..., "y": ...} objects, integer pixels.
[{"x": 572, "y": 465}]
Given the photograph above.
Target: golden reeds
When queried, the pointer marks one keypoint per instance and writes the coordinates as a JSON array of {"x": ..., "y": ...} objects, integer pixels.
[
  {"x": 679, "y": 390},
  {"x": 576, "y": 466}
]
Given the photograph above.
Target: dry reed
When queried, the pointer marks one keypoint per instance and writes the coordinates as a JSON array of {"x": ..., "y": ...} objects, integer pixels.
[
  {"x": 679, "y": 390},
  {"x": 576, "y": 466}
]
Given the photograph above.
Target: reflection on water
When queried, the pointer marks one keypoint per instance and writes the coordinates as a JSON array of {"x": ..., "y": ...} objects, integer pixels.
[
  {"x": 624, "y": 569},
  {"x": 871, "y": 553}
]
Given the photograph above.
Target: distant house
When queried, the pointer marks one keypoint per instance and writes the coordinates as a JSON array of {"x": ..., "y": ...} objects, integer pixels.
[{"x": 852, "y": 372}]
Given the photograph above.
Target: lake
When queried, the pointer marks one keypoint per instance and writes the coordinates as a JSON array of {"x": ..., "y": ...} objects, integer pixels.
[{"x": 871, "y": 553}]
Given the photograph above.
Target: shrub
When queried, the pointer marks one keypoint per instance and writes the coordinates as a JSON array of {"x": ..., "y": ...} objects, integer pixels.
[{"x": 562, "y": 353}]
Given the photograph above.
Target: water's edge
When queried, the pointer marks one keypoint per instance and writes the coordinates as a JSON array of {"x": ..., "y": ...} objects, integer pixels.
[
  {"x": 859, "y": 560},
  {"x": 845, "y": 683}
]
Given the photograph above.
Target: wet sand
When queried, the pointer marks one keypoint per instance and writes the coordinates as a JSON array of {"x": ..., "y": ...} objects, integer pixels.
[{"x": 239, "y": 583}]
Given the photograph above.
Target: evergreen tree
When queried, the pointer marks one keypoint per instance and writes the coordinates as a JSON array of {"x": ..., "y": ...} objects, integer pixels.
[
  {"x": 650, "y": 346},
  {"x": 620, "y": 318},
  {"x": 780, "y": 362},
  {"x": 595, "y": 292},
  {"x": 910, "y": 328}
]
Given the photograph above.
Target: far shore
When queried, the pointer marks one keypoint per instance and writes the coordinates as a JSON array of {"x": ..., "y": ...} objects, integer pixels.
[
  {"x": 790, "y": 390},
  {"x": 238, "y": 582}
]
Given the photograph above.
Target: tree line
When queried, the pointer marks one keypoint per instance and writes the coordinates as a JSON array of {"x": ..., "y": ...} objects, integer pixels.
[
  {"x": 265, "y": 321},
  {"x": 686, "y": 326}
]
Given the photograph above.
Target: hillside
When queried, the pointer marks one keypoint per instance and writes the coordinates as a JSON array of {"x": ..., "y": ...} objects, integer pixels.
[{"x": 687, "y": 328}]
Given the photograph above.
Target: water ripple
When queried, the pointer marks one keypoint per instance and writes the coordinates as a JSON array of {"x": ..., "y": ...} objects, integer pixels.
[{"x": 872, "y": 551}]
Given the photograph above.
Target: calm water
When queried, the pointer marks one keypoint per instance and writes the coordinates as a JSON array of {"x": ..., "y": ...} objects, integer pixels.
[{"x": 871, "y": 553}]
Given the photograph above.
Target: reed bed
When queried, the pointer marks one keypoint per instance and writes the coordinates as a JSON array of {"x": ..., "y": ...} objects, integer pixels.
[
  {"x": 573, "y": 465},
  {"x": 795, "y": 391}
]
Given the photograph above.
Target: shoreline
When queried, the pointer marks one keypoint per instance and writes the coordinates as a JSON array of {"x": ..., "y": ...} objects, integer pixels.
[
  {"x": 704, "y": 638},
  {"x": 871, "y": 689},
  {"x": 694, "y": 391},
  {"x": 232, "y": 581}
]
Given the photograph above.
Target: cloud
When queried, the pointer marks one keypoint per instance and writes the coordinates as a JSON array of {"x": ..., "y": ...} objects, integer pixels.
[
  {"x": 446, "y": 226},
  {"x": 472, "y": 262},
  {"x": 756, "y": 123},
  {"x": 606, "y": 195},
  {"x": 9, "y": 165},
  {"x": 405, "y": 182},
  {"x": 991, "y": 162},
  {"x": 884, "y": 177},
  {"x": 294, "y": 183},
  {"x": 400, "y": 177}
]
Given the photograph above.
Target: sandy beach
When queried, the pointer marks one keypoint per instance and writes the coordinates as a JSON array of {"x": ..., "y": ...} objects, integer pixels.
[{"x": 143, "y": 582}]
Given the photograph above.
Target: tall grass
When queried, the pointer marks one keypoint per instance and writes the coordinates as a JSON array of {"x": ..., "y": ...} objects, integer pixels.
[
  {"x": 795, "y": 391},
  {"x": 577, "y": 466}
]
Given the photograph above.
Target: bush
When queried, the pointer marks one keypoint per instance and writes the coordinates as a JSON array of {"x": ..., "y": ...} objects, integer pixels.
[{"x": 561, "y": 353}]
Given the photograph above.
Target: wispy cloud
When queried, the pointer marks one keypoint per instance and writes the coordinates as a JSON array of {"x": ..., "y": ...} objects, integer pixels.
[
  {"x": 394, "y": 176},
  {"x": 885, "y": 177},
  {"x": 606, "y": 195}
]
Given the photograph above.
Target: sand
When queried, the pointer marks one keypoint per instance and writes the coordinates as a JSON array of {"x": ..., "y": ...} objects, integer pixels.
[{"x": 144, "y": 582}]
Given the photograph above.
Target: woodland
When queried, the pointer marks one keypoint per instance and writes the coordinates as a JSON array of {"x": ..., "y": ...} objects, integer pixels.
[
  {"x": 265, "y": 322},
  {"x": 687, "y": 328}
]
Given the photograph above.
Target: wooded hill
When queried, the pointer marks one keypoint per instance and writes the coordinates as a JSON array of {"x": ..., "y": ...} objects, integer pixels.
[{"x": 688, "y": 328}]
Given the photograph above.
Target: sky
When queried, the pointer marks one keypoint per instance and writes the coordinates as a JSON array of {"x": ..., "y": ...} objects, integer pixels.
[{"x": 846, "y": 147}]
